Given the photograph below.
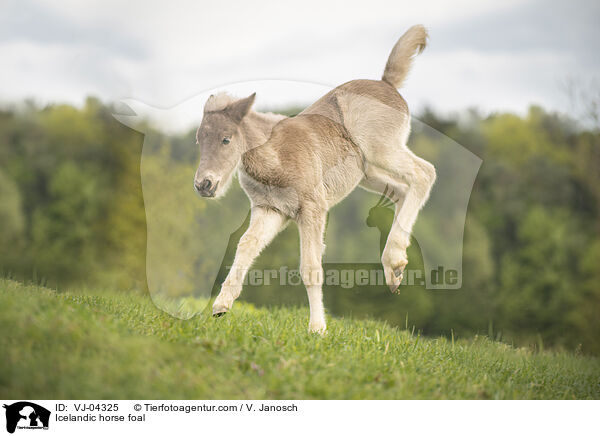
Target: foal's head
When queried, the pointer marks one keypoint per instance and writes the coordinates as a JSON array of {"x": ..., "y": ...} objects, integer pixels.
[{"x": 221, "y": 143}]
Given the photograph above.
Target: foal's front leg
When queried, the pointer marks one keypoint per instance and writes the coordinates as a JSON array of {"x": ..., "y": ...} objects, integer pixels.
[
  {"x": 264, "y": 225},
  {"x": 312, "y": 227}
]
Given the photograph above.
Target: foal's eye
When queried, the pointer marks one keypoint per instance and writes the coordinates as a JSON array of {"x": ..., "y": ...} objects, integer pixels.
[{"x": 226, "y": 141}]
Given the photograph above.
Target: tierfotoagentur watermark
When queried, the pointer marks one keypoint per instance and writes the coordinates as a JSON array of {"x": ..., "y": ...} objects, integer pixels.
[{"x": 344, "y": 278}]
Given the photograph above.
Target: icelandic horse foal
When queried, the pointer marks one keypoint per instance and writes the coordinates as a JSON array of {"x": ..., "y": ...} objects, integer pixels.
[{"x": 298, "y": 168}]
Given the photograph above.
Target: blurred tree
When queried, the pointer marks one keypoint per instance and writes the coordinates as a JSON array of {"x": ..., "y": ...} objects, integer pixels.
[
  {"x": 12, "y": 221},
  {"x": 72, "y": 212},
  {"x": 65, "y": 229},
  {"x": 537, "y": 278}
]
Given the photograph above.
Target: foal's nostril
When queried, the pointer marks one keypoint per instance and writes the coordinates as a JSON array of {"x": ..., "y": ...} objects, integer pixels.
[{"x": 205, "y": 185}]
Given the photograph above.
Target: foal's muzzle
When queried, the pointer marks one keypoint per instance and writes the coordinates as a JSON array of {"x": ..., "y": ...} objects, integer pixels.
[{"x": 206, "y": 187}]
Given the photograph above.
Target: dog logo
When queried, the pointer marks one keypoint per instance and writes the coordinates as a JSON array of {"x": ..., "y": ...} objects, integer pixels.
[{"x": 26, "y": 415}]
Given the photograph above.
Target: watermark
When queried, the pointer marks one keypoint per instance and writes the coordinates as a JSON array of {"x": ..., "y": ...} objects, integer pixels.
[
  {"x": 346, "y": 278},
  {"x": 192, "y": 241},
  {"x": 25, "y": 415}
]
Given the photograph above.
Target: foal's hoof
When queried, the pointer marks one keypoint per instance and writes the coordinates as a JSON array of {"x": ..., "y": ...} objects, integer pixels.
[
  {"x": 319, "y": 330},
  {"x": 220, "y": 308},
  {"x": 394, "y": 279},
  {"x": 317, "y": 327},
  {"x": 398, "y": 272}
]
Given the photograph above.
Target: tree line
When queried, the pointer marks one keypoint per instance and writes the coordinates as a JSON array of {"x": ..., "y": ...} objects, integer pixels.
[{"x": 72, "y": 214}]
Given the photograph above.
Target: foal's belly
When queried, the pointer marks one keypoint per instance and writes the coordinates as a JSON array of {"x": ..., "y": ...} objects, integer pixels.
[{"x": 342, "y": 179}]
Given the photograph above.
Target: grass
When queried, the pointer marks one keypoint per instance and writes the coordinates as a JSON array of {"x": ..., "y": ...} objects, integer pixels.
[{"x": 119, "y": 346}]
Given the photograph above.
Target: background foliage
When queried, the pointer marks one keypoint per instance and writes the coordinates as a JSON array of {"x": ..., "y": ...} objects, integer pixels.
[{"x": 72, "y": 214}]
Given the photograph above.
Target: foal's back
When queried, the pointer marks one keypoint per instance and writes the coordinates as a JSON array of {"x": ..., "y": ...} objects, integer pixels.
[
  {"x": 377, "y": 91},
  {"x": 372, "y": 111}
]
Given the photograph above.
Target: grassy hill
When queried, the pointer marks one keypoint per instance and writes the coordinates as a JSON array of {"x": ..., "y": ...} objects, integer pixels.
[{"x": 64, "y": 345}]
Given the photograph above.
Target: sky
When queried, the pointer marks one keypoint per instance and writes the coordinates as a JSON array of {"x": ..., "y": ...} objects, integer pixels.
[{"x": 493, "y": 55}]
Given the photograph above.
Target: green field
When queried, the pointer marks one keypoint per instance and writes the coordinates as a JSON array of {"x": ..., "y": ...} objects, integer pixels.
[{"x": 120, "y": 346}]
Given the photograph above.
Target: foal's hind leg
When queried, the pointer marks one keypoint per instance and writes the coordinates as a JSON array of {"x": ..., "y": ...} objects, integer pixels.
[{"x": 413, "y": 176}]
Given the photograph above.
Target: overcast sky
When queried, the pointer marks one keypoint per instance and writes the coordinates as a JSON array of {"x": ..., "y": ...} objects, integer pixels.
[{"x": 493, "y": 55}]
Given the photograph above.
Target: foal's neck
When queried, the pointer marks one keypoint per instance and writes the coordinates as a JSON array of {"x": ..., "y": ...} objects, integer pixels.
[
  {"x": 257, "y": 161},
  {"x": 257, "y": 126}
]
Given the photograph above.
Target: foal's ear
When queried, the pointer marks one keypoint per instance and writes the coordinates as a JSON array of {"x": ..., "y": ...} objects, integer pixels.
[
  {"x": 207, "y": 105},
  {"x": 240, "y": 108}
]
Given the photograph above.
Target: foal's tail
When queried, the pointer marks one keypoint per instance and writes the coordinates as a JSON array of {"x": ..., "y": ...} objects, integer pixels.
[{"x": 409, "y": 45}]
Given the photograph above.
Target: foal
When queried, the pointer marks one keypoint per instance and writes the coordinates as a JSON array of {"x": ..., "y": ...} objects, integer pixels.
[{"x": 298, "y": 168}]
